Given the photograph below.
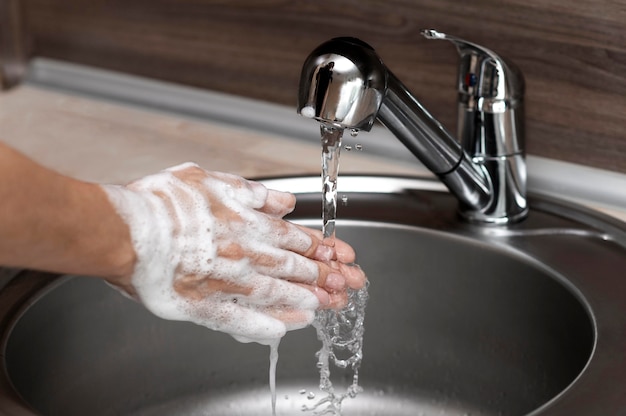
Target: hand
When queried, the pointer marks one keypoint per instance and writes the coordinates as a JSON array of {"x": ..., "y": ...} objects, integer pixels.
[{"x": 213, "y": 249}]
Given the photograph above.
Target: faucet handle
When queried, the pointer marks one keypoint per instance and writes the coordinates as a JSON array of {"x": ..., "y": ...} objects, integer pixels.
[
  {"x": 491, "y": 106},
  {"x": 491, "y": 126},
  {"x": 485, "y": 78}
]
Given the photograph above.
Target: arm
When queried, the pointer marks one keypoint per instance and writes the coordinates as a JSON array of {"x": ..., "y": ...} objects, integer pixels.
[
  {"x": 189, "y": 244},
  {"x": 51, "y": 222}
]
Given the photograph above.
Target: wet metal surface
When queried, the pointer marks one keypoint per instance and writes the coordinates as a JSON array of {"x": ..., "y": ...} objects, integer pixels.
[{"x": 461, "y": 320}]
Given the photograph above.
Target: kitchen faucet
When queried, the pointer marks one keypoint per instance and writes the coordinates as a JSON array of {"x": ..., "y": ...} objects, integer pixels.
[{"x": 345, "y": 85}]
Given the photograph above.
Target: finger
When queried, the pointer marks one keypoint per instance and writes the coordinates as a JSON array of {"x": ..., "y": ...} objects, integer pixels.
[
  {"x": 243, "y": 323},
  {"x": 249, "y": 193},
  {"x": 268, "y": 291},
  {"x": 293, "y": 318},
  {"x": 323, "y": 297},
  {"x": 184, "y": 167},
  {"x": 237, "y": 260},
  {"x": 330, "y": 275},
  {"x": 198, "y": 287},
  {"x": 223, "y": 185},
  {"x": 345, "y": 252},
  {"x": 303, "y": 241},
  {"x": 258, "y": 292},
  {"x": 293, "y": 267},
  {"x": 337, "y": 301},
  {"x": 189, "y": 174},
  {"x": 341, "y": 250},
  {"x": 248, "y": 321},
  {"x": 336, "y": 276},
  {"x": 329, "y": 300},
  {"x": 278, "y": 204},
  {"x": 354, "y": 275},
  {"x": 289, "y": 236}
]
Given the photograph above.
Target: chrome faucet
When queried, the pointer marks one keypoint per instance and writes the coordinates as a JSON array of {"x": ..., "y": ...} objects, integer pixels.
[{"x": 345, "y": 84}]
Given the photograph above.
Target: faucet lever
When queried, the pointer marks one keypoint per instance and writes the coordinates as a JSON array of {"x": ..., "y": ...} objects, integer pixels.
[
  {"x": 491, "y": 92},
  {"x": 483, "y": 73}
]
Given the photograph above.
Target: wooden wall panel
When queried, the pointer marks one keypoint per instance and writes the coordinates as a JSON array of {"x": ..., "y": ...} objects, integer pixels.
[
  {"x": 12, "y": 43},
  {"x": 573, "y": 54}
]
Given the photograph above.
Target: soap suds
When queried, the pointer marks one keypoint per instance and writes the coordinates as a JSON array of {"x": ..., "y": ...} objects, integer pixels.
[
  {"x": 178, "y": 229},
  {"x": 308, "y": 111}
]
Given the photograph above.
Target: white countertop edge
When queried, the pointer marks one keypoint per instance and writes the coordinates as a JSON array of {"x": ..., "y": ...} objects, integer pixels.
[{"x": 602, "y": 189}]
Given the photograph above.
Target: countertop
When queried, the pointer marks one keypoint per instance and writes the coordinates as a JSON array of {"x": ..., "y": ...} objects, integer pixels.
[
  {"x": 102, "y": 141},
  {"x": 107, "y": 141}
]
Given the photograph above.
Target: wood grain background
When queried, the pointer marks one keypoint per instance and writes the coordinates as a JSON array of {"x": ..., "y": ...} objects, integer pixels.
[{"x": 573, "y": 53}]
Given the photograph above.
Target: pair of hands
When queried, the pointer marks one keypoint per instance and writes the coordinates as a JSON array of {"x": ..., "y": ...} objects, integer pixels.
[{"x": 214, "y": 249}]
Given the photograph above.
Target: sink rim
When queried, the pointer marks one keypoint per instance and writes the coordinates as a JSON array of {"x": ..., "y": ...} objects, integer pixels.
[
  {"x": 590, "y": 225},
  {"x": 25, "y": 288}
]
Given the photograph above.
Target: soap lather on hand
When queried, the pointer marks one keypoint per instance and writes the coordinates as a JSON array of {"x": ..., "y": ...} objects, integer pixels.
[{"x": 214, "y": 249}]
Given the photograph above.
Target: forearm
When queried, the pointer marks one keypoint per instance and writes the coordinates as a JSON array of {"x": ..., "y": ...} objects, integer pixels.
[{"x": 51, "y": 222}]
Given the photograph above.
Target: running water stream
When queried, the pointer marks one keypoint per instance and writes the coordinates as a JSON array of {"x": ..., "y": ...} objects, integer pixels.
[
  {"x": 273, "y": 362},
  {"x": 341, "y": 332}
]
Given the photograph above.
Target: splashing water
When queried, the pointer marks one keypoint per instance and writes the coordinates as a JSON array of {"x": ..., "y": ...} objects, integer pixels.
[{"x": 341, "y": 332}]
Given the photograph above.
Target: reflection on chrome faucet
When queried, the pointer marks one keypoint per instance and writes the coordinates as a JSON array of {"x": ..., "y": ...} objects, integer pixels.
[{"x": 345, "y": 83}]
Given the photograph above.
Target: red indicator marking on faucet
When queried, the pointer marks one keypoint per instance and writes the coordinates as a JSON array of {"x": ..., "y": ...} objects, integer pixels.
[{"x": 470, "y": 79}]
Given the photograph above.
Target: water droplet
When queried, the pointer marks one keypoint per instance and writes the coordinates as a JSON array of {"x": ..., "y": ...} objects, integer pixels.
[
  {"x": 302, "y": 391},
  {"x": 348, "y": 147},
  {"x": 286, "y": 397},
  {"x": 344, "y": 200},
  {"x": 358, "y": 146},
  {"x": 310, "y": 396},
  {"x": 354, "y": 132}
]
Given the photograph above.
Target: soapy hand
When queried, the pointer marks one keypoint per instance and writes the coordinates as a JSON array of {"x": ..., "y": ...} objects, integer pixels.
[{"x": 213, "y": 249}]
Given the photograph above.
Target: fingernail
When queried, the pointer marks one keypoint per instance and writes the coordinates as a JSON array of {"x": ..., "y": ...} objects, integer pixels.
[
  {"x": 355, "y": 277},
  {"x": 335, "y": 281},
  {"x": 324, "y": 253},
  {"x": 322, "y": 296}
]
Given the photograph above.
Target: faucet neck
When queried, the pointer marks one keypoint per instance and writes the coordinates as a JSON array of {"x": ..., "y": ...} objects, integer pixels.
[
  {"x": 486, "y": 171},
  {"x": 433, "y": 145},
  {"x": 345, "y": 84}
]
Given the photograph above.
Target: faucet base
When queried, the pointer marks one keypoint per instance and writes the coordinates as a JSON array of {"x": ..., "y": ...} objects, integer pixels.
[{"x": 508, "y": 203}]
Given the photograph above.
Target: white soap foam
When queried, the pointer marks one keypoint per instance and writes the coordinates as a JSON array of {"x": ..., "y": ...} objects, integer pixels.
[
  {"x": 175, "y": 233},
  {"x": 308, "y": 111}
]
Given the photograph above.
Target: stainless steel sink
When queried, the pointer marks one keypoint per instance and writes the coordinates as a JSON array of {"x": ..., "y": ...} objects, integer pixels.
[{"x": 462, "y": 320}]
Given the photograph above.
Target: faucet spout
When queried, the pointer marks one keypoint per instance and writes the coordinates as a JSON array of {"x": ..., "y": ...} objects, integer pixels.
[
  {"x": 344, "y": 83},
  {"x": 434, "y": 146}
]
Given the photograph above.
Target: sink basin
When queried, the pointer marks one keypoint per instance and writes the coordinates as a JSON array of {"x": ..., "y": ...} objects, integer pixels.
[{"x": 462, "y": 320}]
